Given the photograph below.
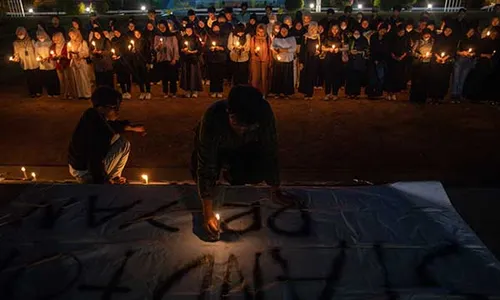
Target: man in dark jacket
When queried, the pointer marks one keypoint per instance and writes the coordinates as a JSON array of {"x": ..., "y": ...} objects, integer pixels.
[
  {"x": 238, "y": 138},
  {"x": 97, "y": 151}
]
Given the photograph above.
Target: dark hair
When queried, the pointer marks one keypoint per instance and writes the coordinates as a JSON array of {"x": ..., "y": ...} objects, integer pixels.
[
  {"x": 191, "y": 13},
  {"x": 244, "y": 4},
  {"x": 151, "y": 11},
  {"x": 348, "y": 9},
  {"x": 77, "y": 21},
  {"x": 397, "y": 8},
  {"x": 228, "y": 10},
  {"x": 57, "y": 17},
  {"x": 239, "y": 28},
  {"x": 106, "y": 96},
  {"x": 269, "y": 6},
  {"x": 462, "y": 10},
  {"x": 253, "y": 16},
  {"x": 247, "y": 103},
  {"x": 426, "y": 31},
  {"x": 211, "y": 9},
  {"x": 330, "y": 11}
]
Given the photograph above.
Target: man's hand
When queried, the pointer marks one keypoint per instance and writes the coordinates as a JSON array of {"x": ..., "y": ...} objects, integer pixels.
[
  {"x": 211, "y": 225},
  {"x": 118, "y": 180},
  {"x": 137, "y": 128}
]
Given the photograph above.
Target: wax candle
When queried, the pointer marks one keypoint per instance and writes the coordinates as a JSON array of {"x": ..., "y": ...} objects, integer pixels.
[
  {"x": 33, "y": 175},
  {"x": 443, "y": 54},
  {"x": 214, "y": 44},
  {"x": 52, "y": 52},
  {"x": 11, "y": 58},
  {"x": 257, "y": 49},
  {"x": 145, "y": 178},
  {"x": 113, "y": 51},
  {"x": 23, "y": 169},
  {"x": 279, "y": 57}
]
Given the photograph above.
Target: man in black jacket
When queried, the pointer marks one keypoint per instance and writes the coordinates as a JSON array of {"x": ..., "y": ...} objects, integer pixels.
[
  {"x": 97, "y": 151},
  {"x": 238, "y": 138}
]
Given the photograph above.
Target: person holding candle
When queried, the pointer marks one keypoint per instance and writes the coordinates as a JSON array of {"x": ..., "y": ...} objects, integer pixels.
[
  {"x": 78, "y": 53},
  {"x": 260, "y": 59},
  {"x": 238, "y": 45},
  {"x": 422, "y": 52},
  {"x": 332, "y": 46},
  {"x": 24, "y": 54},
  {"x": 59, "y": 54},
  {"x": 283, "y": 50},
  {"x": 465, "y": 61},
  {"x": 377, "y": 65},
  {"x": 357, "y": 64},
  {"x": 308, "y": 60},
  {"x": 443, "y": 58},
  {"x": 216, "y": 53},
  {"x": 140, "y": 57},
  {"x": 167, "y": 55},
  {"x": 48, "y": 74},
  {"x": 121, "y": 56},
  {"x": 98, "y": 152},
  {"x": 400, "y": 48},
  {"x": 237, "y": 138},
  {"x": 101, "y": 59},
  {"x": 190, "y": 63}
]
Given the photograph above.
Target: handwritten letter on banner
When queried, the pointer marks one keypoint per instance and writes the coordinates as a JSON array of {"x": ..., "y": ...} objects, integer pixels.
[{"x": 145, "y": 242}]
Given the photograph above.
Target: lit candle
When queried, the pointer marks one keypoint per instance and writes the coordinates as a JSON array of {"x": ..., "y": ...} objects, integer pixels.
[
  {"x": 33, "y": 175},
  {"x": 129, "y": 47},
  {"x": 161, "y": 40},
  {"x": 427, "y": 54},
  {"x": 488, "y": 33},
  {"x": 317, "y": 46},
  {"x": 237, "y": 43},
  {"x": 11, "y": 58},
  {"x": 69, "y": 44},
  {"x": 279, "y": 57},
  {"x": 214, "y": 44},
  {"x": 145, "y": 178},
  {"x": 186, "y": 43},
  {"x": 132, "y": 42},
  {"x": 52, "y": 52},
  {"x": 494, "y": 51},
  {"x": 217, "y": 216},
  {"x": 93, "y": 43},
  {"x": 257, "y": 49},
  {"x": 333, "y": 46},
  {"x": 113, "y": 51},
  {"x": 38, "y": 58},
  {"x": 443, "y": 54},
  {"x": 23, "y": 169}
]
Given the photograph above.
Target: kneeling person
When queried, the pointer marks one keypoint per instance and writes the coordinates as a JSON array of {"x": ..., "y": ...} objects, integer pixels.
[
  {"x": 238, "y": 137},
  {"x": 97, "y": 151}
]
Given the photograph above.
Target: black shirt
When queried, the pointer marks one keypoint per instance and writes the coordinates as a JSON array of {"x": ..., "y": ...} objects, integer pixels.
[{"x": 91, "y": 142}]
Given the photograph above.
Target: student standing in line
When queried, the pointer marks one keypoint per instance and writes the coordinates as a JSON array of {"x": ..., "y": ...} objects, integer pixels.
[
  {"x": 422, "y": 53},
  {"x": 48, "y": 73},
  {"x": 399, "y": 50},
  {"x": 443, "y": 58},
  {"x": 260, "y": 59},
  {"x": 216, "y": 53},
  {"x": 464, "y": 63},
  {"x": 121, "y": 66},
  {"x": 308, "y": 60},
  {"x": 283, "y": 50},
  {"x": 24, "y": 54},
  {"x": 356, "y": 67},
  {"x": 60, "y": 57},
  {"x": 101, "y": 59},
  {"x": 167, "y": 55},
  {"x": 78, "y": 53},
  {"x": 238, "y": 45},
  {"x": 141, "y": 57},
  {"x": 191, "y": 70},
  {"x": 333, "y": 45}
]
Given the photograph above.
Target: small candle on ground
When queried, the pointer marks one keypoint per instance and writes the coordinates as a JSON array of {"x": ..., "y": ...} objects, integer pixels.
[
  {"x": 23, "y": 169},
  {"x": 145, "y": 178},
  {"x": 33, "y": 175}
]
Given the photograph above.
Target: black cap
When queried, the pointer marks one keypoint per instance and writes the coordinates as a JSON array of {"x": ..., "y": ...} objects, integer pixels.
[
  {"x": 105, "y": 96},
  {"x": 397, "y": 8},
  {"x": 228, "y": 10},
  {"x": 244, "y": 4},
  {"x": 151, "y": 11}
]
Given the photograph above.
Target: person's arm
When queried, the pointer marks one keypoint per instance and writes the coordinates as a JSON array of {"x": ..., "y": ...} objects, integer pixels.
[
  {"x": 270, "y": 145},
  {"x": 230, "y": 42}
]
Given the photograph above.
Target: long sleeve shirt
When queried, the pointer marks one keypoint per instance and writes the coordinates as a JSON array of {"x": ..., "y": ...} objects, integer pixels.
[
  {"x": 24, "y": 50},
  {"x": 167, "y": 48},
  {"x": 238, "y": 51},
  {"x": 42, "y": 51},
  {"x": 263, "y": 45},
  {"x": 215, "y": 137},
  {"x": 287, "y": 47},
  {"x": 91, "y": 142},
  {"x": 216, "y": 56}
]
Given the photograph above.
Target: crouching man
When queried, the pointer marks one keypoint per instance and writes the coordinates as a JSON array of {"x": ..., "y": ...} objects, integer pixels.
[
  {"x": 97, "y": 151},
  {"x": 236, "y": 137}
]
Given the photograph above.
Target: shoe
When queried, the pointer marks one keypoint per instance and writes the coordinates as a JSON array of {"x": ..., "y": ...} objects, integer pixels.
[
  {"x": 327, "y": 98},
  {"x": 166, "y": 96},
  {"x": 335, "y": 98},
  {"x": 142, "y": 96},
  {"x": 38, "y": 95},
  {"x": 219, "y": 95},
  {"x": 194, "y": 95},
  {"x": 173, "y": 95},
  {"x": 213, "y": 95},
  {"x": 188, "y": 95},
  {"x": 394, "y": 98},
  {"x": 127, "y": 96},
  {"x": 148, "y": 96}
]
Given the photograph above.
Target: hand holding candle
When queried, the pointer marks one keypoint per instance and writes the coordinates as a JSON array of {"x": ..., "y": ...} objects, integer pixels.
[
  {"x": 257, "y": 49},
  {"x": 113, "y": 51},
  {"x": 52, "y": 52}
]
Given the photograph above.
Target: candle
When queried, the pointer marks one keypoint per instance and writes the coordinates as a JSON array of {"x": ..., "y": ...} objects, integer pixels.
[
  {"x": 470, "y": 50},
  {"x": 161, "y": 40},
  {"x": 214, "y": 44},
  {"x": 443, "y": 54},
  {"x": 52, "y": 52},
  {"x": 93, "y": 43},
  {"x": 11, "y": 58},
  {"x": 145, "y": 178},
  {"x": 257, "y": 49},
  {"x": 317, "y": 46},
  {"x": 333, "y": 46},
  {"x": 132, "y": 42},
  {"x": 186, "y": 43},
  {"x": 279, "y": 58},
  {"x": 237, "y": 43},
  {"x": 23, "y": 169},
  {"x": 129, "y": 47},
  {"x": 69, "y": 44},
  {"x": 217, "y": 216},
  {"x": 38, "y": 58},
  {"x": 113, "y": 51},
  {"x": 33, "y": 175},
  {"x": 488, "y": 33},
  {"x": 427, "y": 54}
]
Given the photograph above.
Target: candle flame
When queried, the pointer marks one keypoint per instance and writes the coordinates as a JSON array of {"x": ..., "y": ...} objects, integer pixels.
[
  {"x": 52, "y": 52},
  {"x": 217, "y": 216},
  {"x": 186, "y": 43},
  {"x": 237, "y": 43},
  {"x": 129, "y": 47},
  {"x": 257, "y": 49},
  {"x": 470, "y": 50},
  {"x": 132, "y": 42},
  {"x": 145, "y": 177},
  {"x": 427, "y": 54},
  {"x": 23, "y": 169},
  {"x": 317, "y": 46},
  {"x": 11, "y": 58},
  {"x": 113, "y": 51},
  {"x": 333, "y": 46},
  {"x": 69, "y": 44},
  {"x": 279, "y": 57},
  {"x": 38, "y": 58},
  {"x": 443, "y": 54},
  {"x": 214, "y": 44},
  {"x": 93, "y": 43},
  {"x": 488, "y": 33},
  {"x": 33, "y": 174}
]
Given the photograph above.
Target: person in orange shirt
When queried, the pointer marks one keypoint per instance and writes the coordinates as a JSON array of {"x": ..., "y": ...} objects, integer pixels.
[{"x": 260, "y": 59}]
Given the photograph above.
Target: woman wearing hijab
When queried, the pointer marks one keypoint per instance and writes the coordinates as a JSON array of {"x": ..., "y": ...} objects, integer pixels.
[
  {"x": 121, "y": 56},
  {"x": 149, "y": 34},
  {"x": 260, "y": 59},
  {"x": 297, "y": 31},
  {"x": 379, "y": 55},
  {"x": 308, "y": 60},
  {"x": 283, "y": 51},
  {"x": 420, "y": 79},
  {"x": 464, "y": 63},
  {"x": 400, "y": 48},
  {"x": 48, "y": 73},
  {"x": 166, "y": 46},
  {"x": 238, "y": 45},
  {"x": 190, "y": 70},
  {"x": 101, "y": 59},
  {"x": 444, "y": 50},
  {"x": 202, "y": 33},
  {"x": 216, "y": 53},
  {"x": 24, "y": 54},
  {"x": 251, "y": 26},
  {"x": 332, "y": 46},
  {"x": 59, "y": 54},
  {"x": 78, "y": 53},
  {"x": 320, "y": 76},
  {"x": 140, "y": 59},
  {"x": 356, "y": 67}
]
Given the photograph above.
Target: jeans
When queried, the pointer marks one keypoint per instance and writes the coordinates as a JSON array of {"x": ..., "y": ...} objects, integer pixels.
[
  {"x": 114, "y": 162},
  {"x": 462, "y": 67}
]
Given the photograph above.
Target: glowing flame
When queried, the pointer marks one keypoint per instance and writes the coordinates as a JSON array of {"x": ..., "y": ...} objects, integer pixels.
[{"x": 217, "y": 216}]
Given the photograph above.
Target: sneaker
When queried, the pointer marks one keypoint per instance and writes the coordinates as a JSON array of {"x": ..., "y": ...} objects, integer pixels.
[
  {"x": 148, "y": 96},
  {"x": 173, "y": 95},
  {"x": 213, "y": 95},
  {"x": 219, "y": 95},
  {"x": 127, "y": 96},
  {"x": 394, "y": 98},
  {"x": 194, "y": 95},
  {"x": 326, "y": 98},
  {"x": 188, "y": 95},
  {"x": 142, "y": 96},
  {"x": 166, "y": 96}
]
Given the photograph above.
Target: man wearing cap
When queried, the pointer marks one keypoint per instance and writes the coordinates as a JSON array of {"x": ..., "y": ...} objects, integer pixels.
[
  {"x": 152, "y": 16},
  {"x": 329, "y": 20},
  {"x": 97, "y": 151},
  {"x": 236, "y": 137}
]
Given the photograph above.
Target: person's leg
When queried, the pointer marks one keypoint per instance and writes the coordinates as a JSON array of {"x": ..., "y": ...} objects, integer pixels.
[
  {"x": 117, "y": 157},
  {"x": 255, "y": 74},
  {"x": 466, "y": 68},
  {"x": 164, "y": 75},
  {"x": 455, "y": 81},
  {"x": 329, "y": 74},
  {"x": 265, "y": 77}
]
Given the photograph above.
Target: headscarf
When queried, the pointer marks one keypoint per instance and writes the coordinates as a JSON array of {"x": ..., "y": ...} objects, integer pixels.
[
  {"x": 309, "y": 34},
  {"x": 280, "y": 36},
  {"x": 237, "y": 29},
  {"x": 22, "y": 31},
  {"x": 61, "y": 41}
]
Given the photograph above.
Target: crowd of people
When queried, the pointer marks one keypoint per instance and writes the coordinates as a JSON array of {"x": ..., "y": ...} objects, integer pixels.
[{"x": 381, "y": 57}]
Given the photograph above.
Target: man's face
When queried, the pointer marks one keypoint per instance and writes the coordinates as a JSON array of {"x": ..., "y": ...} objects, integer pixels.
[
  {"x": 201, "y": 24},
  {"x": 461, "y": 15},
  {"x": 252, "y": 21},
  {"x": 307, "y": 19},
  {"x": 238, "y": 128},
  {"x": 192, "y": 18},
  {"x": 269, "y": 10},
  {"x": 55, "y": 22},
  {"x": 211, "y": 16}
]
